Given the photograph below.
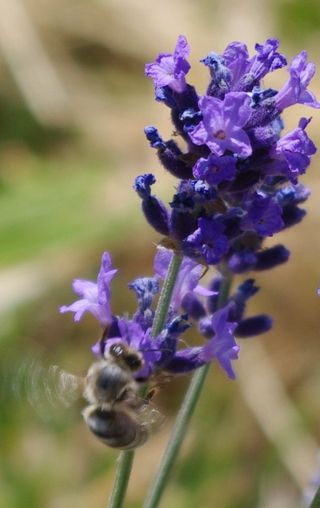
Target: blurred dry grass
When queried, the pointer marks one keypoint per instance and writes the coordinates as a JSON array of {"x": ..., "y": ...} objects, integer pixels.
[{"x": 74, "y": 103}]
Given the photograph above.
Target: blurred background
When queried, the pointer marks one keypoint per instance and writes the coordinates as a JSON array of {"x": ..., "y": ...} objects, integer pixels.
[{"x": 73, "y": 105}]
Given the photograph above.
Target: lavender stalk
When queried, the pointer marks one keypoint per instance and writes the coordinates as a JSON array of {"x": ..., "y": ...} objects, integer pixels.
[
  {"x": 126, "y": 457},
  {"x": 182, "y": 421},
  {"x": 166, "y": 294},
  {"x": 179, "y": 431},
  {"x": 125, "y": 461}
]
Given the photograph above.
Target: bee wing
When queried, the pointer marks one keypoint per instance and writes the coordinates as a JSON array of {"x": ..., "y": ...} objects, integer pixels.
[
  {"x": 62, "y": 386},
  {"x": 148, "y": 415},
  {"x": 46, "y": 387}
]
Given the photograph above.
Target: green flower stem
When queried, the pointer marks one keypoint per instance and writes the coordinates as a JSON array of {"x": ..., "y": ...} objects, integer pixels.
[
  {"x": 126, "y": 457},
  {"x": 166, "y": 293},
  {"x": 316, "y": 500},
  {"x": 183, "y": 419},
  {"x": 121, "y": 481},
  {"x": 177, "y": 436}
]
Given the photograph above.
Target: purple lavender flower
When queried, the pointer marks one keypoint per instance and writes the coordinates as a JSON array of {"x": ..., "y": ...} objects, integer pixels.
[
  {"x": 170, "y": 69},
  {"x": 235, "y": 71},
  {"x": 266, "y": 60},
  {"x": 222, "y": 345},
  {"x": 208, "y": 240},
  {"x": 188, "y": 278},
  {"x": 253, "y": 326},
  {"x": 215, "y": 170},
  {"x": 238, "y": 183},
  {"x": 292, "y": 153},
  {"x": 295, "y": 89},
  {"x": 170, "y": 155},
  {"x": 95, "y": 296},
  {"x": 222, "y": 124},
  {"x": 263, "y": 216},
  {"x": 236, "y": 57},
  {"x": 153, "y": 209},
  {"x": 239, "y": 161}
]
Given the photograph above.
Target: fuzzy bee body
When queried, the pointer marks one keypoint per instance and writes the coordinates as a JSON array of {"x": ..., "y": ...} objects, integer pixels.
[
  {"x": 116, "y": 428},
  {"x": 116, "y": 414}
]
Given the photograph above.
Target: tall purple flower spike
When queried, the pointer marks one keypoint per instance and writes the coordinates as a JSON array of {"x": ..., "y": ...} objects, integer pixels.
[
  {"x": 170, "y": 69},
  {"x": 95, "y": 297},
  {"x": 237, "y": 183},
  {"x": 222, "y": 124}
]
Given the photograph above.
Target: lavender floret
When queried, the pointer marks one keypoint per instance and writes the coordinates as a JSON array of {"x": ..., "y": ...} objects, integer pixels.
[
  {"x": 95, "y": 297},
  {"x": 295, "y": 90},
  {"x": 222, "y": 124},
  {"x": 170, "y": 69}
]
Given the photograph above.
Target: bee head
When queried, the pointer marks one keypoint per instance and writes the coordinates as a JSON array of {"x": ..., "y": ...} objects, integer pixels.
[{"x": 130, "y": 358}]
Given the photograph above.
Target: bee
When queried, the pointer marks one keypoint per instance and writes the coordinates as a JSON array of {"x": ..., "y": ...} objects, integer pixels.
[
  {"x": 116, "y": 412},
  {"x": 117, "y": 415}
]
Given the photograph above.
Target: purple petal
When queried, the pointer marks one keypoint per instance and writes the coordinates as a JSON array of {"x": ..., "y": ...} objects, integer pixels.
[
  {"x": 215, "y": 170},
  {"x": 239, "y": 143},
  {"x": 222, "y": 346},
  {"x": 182, "y": 49},
  {"x": 161, "y": 262},
  {"x": 202, "y": 291},
  {"x": 79, "y": 308},
  {"x": 237, "y": 59},
  {"x": 217, "y": 147},
  {"x": 170, "y": 69},
  {"x": 96, "y": 297},
  {"x": 199, "y": 134},
  {"x": 188, "y": 276},
  {"x": 237, "y": 109},
  {"x": 85, "y": 287}
]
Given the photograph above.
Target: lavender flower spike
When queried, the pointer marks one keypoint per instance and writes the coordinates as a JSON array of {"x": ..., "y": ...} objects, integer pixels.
[
  {"x": 170, "y": 69},
  {"x": 95, "y": 297}
]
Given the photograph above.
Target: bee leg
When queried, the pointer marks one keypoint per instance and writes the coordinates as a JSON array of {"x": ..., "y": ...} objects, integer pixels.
[{"x": 152, "y": 393}]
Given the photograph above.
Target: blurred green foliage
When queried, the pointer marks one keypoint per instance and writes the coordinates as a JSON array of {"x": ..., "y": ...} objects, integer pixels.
[
  {"x": 18, "y": 125},
  {"x": 297, "y": 19},
  {"x": 49, "y": 203}
]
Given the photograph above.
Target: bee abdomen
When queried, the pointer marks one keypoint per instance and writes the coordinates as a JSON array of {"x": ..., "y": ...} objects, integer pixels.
[{"x": 117, "y": 429}]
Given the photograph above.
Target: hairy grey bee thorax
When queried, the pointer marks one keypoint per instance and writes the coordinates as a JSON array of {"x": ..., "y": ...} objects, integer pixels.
[{"x": 107, "y": 382}]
